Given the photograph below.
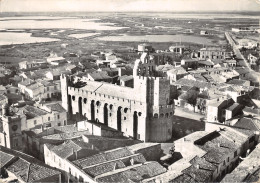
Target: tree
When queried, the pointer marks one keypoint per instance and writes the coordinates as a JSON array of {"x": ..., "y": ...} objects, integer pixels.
[
  {"x": 201, "y": 103},
  {"x": 191, "y": 96}
]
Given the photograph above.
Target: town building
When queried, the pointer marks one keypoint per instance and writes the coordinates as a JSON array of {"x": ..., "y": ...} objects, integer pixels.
[
  {"x": 147, "y": 115},
  {"x": 241, "y": 29},
  {"x": 216, "y": 110},
  {"x": 189, "y": 63},
  {"x": 177, "y": 49},
  {"x": 19, "y": 167},
  {"x": 176, "y": 74},
  {"x": 47, "y": 115},
  {"x": 116, "y": 165},
  {"x": 32, "y": 64},
  {"x": 144, "y": 47},
  {"x": 10, "y": 128},
  {"x": 246, "y": 43},
  {"x": 203, "y": 32},
  {"x": 39, "y": 89},
  {"x": 207, "y": 156},
  {"x": 248, "y": 170},
  {"x": 212, "y": 53}
]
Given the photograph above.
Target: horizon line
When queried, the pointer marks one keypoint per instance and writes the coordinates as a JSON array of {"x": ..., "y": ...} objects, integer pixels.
[{"x": 180, "y": 11}]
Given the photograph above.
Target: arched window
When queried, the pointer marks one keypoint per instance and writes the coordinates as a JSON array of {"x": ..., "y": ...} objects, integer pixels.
[
  {"x": 166, "y": 115},
  {"x": 110, "y": 106},
  {"x": 85, "y": 100},
  {"x": 161, "y": 115},
  {"x": 155, "y": 115},
  {"x": 125, "y": 110}
]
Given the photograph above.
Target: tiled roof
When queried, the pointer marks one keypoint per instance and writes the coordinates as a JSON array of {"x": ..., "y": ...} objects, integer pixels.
[
  {"x": 251, "y": 110},
  {"x": 32, "y": 112},
  {"x": 206, "y": 63},
  {"x": 199, "y": 172},
  {"x": 56, "y": 107},
  {"x": 5, "y": 158},
  {"x": 125, "y": 78},
  {"x": 189, "y": 82},
  {"x": 67, "y": 149},
  {"x": 234, "y": 106},
  {"x": 203, "y": 164},
  {"x": 26, "y": 82},
  {"x": 237, "y": 81},
  {"x": 208, "y": 78},
  {"x": 164, "y": 68},
  {"x": 66, "y": 129},
  {"x": 66, "y": 136},
  {"x": 217, "y": 147},
  {"x": 34, "y": 86},
  {"x": 103, "y": 157},
  {"x": 218, "y": 78},
  {"x": 184, "y": 178},
  {"x": 26, "y": 167},
  {"x": 99, "y": 75},
  {"x": 135, "y": 174},
  {"x": 177, "y": 70},
  {"x": 242, "y": 70},
  {"x": 104, "y": 168},
  {"x": 247, "y": 170},
  {"x": 248, "y": 123}
]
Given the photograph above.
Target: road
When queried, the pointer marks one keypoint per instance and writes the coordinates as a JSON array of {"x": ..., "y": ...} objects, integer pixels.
[
  {"x": 239, "y": 55},
  {"x": 191, "y": 115}
]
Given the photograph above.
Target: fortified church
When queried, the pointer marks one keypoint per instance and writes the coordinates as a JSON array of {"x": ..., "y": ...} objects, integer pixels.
[{"x": 143, "y": 112}]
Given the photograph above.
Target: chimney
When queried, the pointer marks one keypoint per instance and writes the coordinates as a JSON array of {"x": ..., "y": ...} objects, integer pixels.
[
  {"x": 42, "y": 128},
  {"x": 75, "y": 153},
  {"x": 198, "y": 166},
  {"x": 132, "y": 161},
  {"x": 114, "y": 168},
  {"x": 218, "y": 144}
]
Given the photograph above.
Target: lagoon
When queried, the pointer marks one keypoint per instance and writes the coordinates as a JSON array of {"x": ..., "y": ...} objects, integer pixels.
[
  {"x": 158, "y": 38},
  {"x": 8, "y": 38},
  {"x": 58, "y": 23},
  {"x": 83, "y": 35}
]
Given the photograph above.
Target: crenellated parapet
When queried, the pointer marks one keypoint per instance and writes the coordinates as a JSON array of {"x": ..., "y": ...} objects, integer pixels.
[{"x": 163, "y": 111}]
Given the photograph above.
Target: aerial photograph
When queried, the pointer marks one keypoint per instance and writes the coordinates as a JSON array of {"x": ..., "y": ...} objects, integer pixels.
[{"x": 118, "y": 91}]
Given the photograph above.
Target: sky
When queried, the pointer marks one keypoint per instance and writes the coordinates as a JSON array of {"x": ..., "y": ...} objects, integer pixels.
[{"x": 128, "y": 5}]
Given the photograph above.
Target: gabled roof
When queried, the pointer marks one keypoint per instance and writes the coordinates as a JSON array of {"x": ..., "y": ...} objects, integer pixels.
[
  {"x": 126, "y": 78},
  {"x": 103, "y": 157},
  {"x": 32, "y": 112},
  {"x": 164, "y": 68},
  {"x": 5, "y": 158},
  {"x": 237, "y": 82},
  {"x": 134, "y": 173},
  {"x": 248, "y": 123},
  {"x": 68, "y": 148},
  {"x": 251, "y": 110},
  {"x": 189, "y": 82},
  {"x": 99, "y": 75},
  {"x": 26, "y": 167},
  {"x": 56, "y": 107},
  {"x": 243, "y": 70},
  {"x": 177, "y": 70},
  {"x": 208, "y": 63}
]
